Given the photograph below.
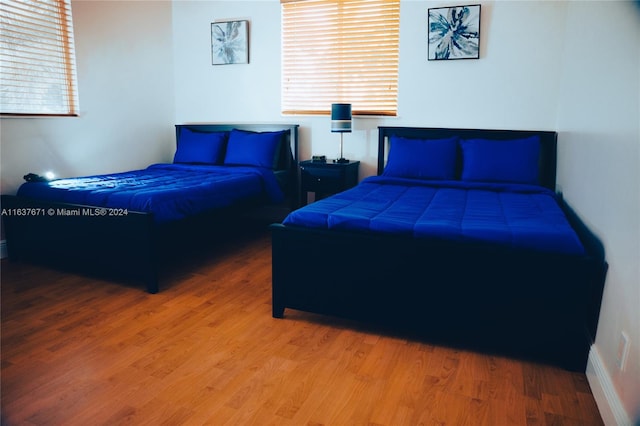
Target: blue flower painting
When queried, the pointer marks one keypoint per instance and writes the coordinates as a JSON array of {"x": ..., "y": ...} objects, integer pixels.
[
  {"x": 454, "y": 32},
  {"x": 229, "y": 42}
]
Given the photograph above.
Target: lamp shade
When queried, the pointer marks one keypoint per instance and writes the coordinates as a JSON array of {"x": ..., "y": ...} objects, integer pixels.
[{"x": 340, "y": 118}]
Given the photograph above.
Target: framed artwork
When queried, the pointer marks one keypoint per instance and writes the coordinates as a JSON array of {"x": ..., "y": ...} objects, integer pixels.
[
  {"x": 229, "y": 42},
  {"x": 454, "y": 32}
]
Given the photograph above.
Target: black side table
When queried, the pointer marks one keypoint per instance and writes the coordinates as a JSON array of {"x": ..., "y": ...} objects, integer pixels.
[{"x": 326, "y": 178}]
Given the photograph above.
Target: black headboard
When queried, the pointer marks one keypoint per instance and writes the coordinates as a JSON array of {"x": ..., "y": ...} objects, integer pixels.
[
  {"x": 288, "y": 173},
  {"x": 548, "y": 144},
  {"x": 264, "y": 127}
]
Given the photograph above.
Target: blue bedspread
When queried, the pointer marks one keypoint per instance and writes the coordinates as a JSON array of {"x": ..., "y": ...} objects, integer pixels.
[
  {"x": 518, "y": 216},
  {"x": 169, "y": 191}
]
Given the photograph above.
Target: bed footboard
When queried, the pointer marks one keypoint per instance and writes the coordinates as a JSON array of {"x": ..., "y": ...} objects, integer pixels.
[
  {"x": 531, "y": 306},
  {"x": 82, "y": 238}
]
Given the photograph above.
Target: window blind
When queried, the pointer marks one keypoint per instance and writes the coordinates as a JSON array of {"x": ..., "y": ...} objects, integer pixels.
[
  {"x": 342, "y": 51},
  {"x": 37, "y": 58}
]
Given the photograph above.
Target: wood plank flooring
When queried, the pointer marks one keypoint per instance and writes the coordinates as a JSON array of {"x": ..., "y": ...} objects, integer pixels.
[{"x": 80, "y": 350}]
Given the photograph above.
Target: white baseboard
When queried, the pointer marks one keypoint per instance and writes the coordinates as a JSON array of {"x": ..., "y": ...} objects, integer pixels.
[
  {"x": 3, "y": 249},
  {"x": 611, "y": 409}
]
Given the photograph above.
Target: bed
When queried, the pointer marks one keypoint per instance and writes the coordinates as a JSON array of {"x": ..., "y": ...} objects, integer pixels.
[
  {"x": 460, "y": 239},
  {"x": 118, "y": 223}
]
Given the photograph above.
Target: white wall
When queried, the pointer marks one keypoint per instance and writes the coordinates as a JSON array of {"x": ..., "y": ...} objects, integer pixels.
[
  {"x": 224, "y": 93},
  {"x": 511, "y": 87},
  {"x": 125, "y": 79},
  {"x": 599, "y": 162}
]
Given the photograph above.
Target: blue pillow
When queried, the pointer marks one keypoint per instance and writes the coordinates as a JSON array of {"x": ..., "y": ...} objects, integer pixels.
[
  {"x": 200, "y": 147},
  {"x": 422, "y": 158},
  {"x": 261, "y": 149},
  {"x": 512, "y": 161}
]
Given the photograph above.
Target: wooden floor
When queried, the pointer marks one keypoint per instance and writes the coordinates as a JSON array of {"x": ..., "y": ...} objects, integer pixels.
[{"x": 205, "y": 350}]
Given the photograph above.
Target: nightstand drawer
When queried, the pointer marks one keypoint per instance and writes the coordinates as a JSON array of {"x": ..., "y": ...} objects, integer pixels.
[
  {"x": 326, "y": 178},
  {"x": 321, "y": 180}
]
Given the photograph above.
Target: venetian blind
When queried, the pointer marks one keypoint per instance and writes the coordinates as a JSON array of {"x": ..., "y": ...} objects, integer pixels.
[
  {"x": 340, "y": 51},
  {"x": 37, "y": 58}
]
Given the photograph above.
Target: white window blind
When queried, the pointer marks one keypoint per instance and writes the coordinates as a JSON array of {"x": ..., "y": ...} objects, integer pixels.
[
  {"x": 340, "y": 51},
  {"x": 37, "y": 58}
]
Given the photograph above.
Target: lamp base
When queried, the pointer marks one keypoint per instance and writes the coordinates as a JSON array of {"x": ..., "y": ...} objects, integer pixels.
[{"x": 341, "y": 160}]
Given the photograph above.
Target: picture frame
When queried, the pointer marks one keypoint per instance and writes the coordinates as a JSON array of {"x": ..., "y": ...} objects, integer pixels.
[
  {"x": 454, "y": 32},
  {"x": 230, "y": 42}
]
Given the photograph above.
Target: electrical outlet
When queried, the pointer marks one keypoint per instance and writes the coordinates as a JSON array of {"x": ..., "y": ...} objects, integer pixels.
[{"x": 623, "y": 350}]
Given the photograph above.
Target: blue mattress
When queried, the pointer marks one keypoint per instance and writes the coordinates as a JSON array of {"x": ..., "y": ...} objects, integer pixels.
[
  {"x": 513, "y": 215},
  {"x": 168, "y": 191}
]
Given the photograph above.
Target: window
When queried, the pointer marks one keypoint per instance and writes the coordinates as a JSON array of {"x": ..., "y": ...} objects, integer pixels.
[
  {"x": 340, "y": 51},
  {"x": 37, "y": 58}
]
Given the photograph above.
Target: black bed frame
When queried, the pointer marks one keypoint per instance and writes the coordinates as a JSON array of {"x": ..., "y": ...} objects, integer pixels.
[
  {"x": 530, "y": 305},
  {"x": 107, "y": 242}
]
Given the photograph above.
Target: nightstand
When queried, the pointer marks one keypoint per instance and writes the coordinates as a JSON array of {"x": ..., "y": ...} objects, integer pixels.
[{"x": 326, "y": 178}]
